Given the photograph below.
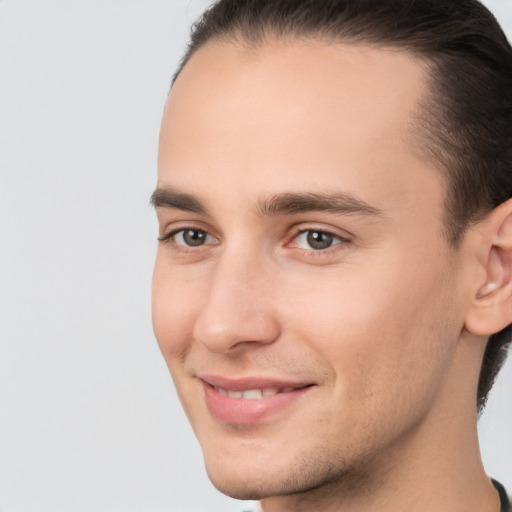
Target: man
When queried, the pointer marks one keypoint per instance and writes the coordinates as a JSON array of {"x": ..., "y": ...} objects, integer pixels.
[{"x": 335, "y": 253}]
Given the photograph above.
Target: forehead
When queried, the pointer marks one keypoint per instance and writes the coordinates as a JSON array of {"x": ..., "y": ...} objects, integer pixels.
[{"x": 305, "y": 112}]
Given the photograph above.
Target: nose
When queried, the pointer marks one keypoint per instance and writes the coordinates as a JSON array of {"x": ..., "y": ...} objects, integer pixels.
[{"x": 238, "y": 309}]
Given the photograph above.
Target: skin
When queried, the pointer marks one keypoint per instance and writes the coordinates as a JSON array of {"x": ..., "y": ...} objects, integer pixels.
[{"x": 389, "y": 323}]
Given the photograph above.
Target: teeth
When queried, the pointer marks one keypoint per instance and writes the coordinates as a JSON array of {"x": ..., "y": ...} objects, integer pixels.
[
  {"x": 222, "y": 391},
  {"x": 253, "y": 394}
]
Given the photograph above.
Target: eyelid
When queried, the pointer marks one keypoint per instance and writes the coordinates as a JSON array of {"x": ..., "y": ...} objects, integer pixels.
[
  {"x": 167, "y": 236},
  {"x": 334, "y": 239},
  {"x": 343, "y": 236}
]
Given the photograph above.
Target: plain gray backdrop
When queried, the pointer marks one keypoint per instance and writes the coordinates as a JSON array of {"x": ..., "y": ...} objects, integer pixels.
[{"x": 89, "y": 419}]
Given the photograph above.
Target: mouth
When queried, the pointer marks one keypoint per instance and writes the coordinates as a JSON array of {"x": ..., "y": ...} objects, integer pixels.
[
  {"x": 249, "y": 401},
  {"x": 256, "y": 394}
]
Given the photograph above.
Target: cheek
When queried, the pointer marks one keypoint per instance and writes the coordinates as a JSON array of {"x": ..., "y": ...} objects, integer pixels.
[
  {"x": 175, "y": 301},
  {"x": 376, "y": 330}
]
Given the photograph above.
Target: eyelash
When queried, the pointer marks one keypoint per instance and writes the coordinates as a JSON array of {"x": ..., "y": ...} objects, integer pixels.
[
  {"x": 167, "y": 238},
  {"x": 184, "y": 247},
  {"x": 336, "y": 239}
]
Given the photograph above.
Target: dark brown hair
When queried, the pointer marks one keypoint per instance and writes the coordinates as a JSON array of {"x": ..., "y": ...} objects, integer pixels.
[{"x": 465, "y": 125}]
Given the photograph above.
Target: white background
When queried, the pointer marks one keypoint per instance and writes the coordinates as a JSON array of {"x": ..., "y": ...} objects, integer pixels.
[{"x": 89, "y": 420}]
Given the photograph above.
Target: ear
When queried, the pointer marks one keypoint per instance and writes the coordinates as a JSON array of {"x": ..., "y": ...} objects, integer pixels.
[{"x": 491, "y": 307}]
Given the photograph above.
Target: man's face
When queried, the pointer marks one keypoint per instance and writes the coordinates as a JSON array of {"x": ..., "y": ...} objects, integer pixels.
[{"x": 304, "y": 272}]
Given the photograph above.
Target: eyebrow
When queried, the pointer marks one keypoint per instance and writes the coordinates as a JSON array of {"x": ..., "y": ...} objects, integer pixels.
[
  {"x": 170, "y": 198},
  {"x": 340, "y": 203},
  {"x": 279, "y": 204}
]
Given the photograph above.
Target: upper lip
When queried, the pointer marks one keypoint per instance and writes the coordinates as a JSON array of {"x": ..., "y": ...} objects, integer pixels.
[{"x": 245, "y": 384}]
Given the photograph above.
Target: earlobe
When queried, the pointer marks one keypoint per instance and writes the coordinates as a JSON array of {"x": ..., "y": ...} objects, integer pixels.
[{"x": 491, "y": 307}]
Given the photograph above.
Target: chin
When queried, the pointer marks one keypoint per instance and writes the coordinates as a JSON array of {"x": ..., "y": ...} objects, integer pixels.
[
  {"x": 242, "y": 490},
  {"x": 253, "y": 482},
  {"x": 242, "y": 480}
]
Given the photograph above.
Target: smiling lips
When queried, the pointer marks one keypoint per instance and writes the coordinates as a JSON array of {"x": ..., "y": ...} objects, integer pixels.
[
  {"x": 248, "y": 401},
  {"x": 254, "y": 394}
]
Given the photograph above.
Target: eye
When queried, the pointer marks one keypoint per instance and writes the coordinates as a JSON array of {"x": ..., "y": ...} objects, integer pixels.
[
  {"x": 316, "y": 240},
  {"x": 189, "y": 237}
]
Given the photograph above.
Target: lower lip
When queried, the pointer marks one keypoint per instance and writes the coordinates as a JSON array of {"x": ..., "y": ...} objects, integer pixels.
[{"x": 243, "y": 411}]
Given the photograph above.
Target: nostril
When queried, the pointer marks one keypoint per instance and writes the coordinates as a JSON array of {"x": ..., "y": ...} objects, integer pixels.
[{"x": 241, "y": 327}]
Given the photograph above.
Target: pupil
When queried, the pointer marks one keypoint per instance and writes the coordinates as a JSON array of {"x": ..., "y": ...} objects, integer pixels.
[
  {"x": 194, "y": 237},
  {"x": 318, "y": 240}
]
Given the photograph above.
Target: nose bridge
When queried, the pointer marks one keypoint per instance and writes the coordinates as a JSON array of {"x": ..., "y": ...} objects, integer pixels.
[{"x": 238, "y": 307}]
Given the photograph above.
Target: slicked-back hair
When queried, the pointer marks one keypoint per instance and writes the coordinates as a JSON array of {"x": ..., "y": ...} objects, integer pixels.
[{"x": 464, "y": 126}]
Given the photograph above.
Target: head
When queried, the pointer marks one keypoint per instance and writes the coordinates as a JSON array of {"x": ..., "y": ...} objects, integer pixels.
[
  {"x": 342, "y": 310},
  {"x": 465, "y": 125}
]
